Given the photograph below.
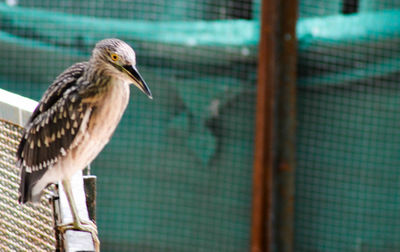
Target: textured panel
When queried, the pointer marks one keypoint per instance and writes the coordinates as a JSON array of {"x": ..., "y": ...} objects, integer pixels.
[{"x": 22, "y": 227}]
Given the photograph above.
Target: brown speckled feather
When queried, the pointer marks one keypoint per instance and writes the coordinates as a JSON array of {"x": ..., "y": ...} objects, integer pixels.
[
  {"x": 76, "y": 117},
  {"x": 52, "y": 127}
]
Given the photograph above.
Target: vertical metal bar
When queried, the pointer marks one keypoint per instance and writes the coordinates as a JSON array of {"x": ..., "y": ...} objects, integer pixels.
[
  {"x": 286, "y": 130},
  {"x": 350, "y": 6},
  {"x": 274, "y": 158},
  {"x": 263, "y": 174},
  {"x": 89, "y": 182},
  {"x": 74, "y": 240},
  {"x": 54, "y": 201}
]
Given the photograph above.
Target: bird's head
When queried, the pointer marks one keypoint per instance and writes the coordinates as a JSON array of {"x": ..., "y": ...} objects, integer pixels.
[{"x": 121, "y": 56}]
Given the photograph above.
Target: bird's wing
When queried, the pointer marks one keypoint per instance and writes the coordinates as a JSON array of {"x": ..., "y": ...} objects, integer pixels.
[{"x": 54, "y": 124}]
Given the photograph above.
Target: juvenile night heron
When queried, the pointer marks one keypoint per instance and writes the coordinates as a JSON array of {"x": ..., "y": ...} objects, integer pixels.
[{"x": 74, "y": 120}]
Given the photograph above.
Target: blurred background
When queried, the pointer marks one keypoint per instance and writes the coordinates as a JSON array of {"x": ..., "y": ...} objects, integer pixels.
[{"x": 178, "y": 173}]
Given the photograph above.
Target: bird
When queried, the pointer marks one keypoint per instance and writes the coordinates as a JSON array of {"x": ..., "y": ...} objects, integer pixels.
[{"x": 74, "y": 120}]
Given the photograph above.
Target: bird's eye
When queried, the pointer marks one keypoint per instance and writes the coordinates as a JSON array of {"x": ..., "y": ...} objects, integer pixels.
[{"x": 114, "y": 57}]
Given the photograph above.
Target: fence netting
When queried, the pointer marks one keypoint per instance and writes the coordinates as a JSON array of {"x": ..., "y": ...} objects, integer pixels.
[
  {"x": 176, "y": 175},
  {"x": 348, "y": 135}
]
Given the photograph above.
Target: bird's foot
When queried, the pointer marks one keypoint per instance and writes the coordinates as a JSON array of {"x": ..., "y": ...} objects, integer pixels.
[{"x": 82, "y": 225}]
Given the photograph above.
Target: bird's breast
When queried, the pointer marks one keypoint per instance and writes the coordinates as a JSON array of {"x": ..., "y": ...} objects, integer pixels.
[
  {"x": 109, "y": 110},
  {"x": 103, "y": 120}
]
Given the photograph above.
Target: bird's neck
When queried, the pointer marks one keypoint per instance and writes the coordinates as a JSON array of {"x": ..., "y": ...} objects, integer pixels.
[
  {"x": 98, "y": 80},
  {"x": 98, "y": 69}
]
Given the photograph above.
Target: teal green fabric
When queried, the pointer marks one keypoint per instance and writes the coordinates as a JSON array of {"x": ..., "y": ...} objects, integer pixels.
[
  {"x": 347, "y": 44},
  {"x": 377, "y": 5},
  {"x": 310, "y": 8},
  {"x": 346, "y": 29},
  {"x": 348, "y": 104},
  {"x": 348, "y": 174},
  {"x": 176, "y": 175},
  {"x": 152, "y": 10},
  {"x": 67, "y": 30}
]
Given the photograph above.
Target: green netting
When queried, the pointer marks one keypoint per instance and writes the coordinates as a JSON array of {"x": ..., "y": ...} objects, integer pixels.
[
  {"x": 348, "y": 141},
  {"x": 177, "y": 174}
]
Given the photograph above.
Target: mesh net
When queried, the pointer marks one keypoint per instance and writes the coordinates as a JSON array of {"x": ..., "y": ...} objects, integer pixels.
[
  {"x": 176, "y": 175},
  {"x": 347, "y": 181},
  {"x": 22, "y": 227}
]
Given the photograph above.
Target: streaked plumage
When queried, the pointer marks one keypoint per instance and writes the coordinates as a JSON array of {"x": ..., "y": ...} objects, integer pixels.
[
  {"x": 59, "y": 124},
  {"x": 76, "y": 117},
  {"x": 49, "y": 132}
]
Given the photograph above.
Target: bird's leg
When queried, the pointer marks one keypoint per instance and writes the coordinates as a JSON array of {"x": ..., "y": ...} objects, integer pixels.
[{"x": 77, "y": 223}]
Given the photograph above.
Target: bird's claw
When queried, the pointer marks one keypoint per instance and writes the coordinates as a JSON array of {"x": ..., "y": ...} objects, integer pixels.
[{"x": 82, "y": 225}]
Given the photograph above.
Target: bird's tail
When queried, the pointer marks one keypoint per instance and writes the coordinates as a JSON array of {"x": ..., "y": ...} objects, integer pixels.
[{"x": 28, "y": 181}]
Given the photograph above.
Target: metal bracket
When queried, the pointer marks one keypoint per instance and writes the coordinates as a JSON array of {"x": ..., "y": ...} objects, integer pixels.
[{"x": 72, "y": 240}]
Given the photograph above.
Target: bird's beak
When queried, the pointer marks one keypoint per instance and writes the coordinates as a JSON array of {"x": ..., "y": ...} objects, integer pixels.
[{"x": 138, "y": 81}]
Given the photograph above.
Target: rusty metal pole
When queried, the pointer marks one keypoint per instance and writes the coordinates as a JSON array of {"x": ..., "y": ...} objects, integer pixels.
[
  {"x": 263, "y": 172},
  {"x": 286, "y": 130},
  {"x": 273, "y": 175}
]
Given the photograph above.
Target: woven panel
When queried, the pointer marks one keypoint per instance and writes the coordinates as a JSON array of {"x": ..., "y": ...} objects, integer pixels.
[{"x": 22, "y": 227}]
